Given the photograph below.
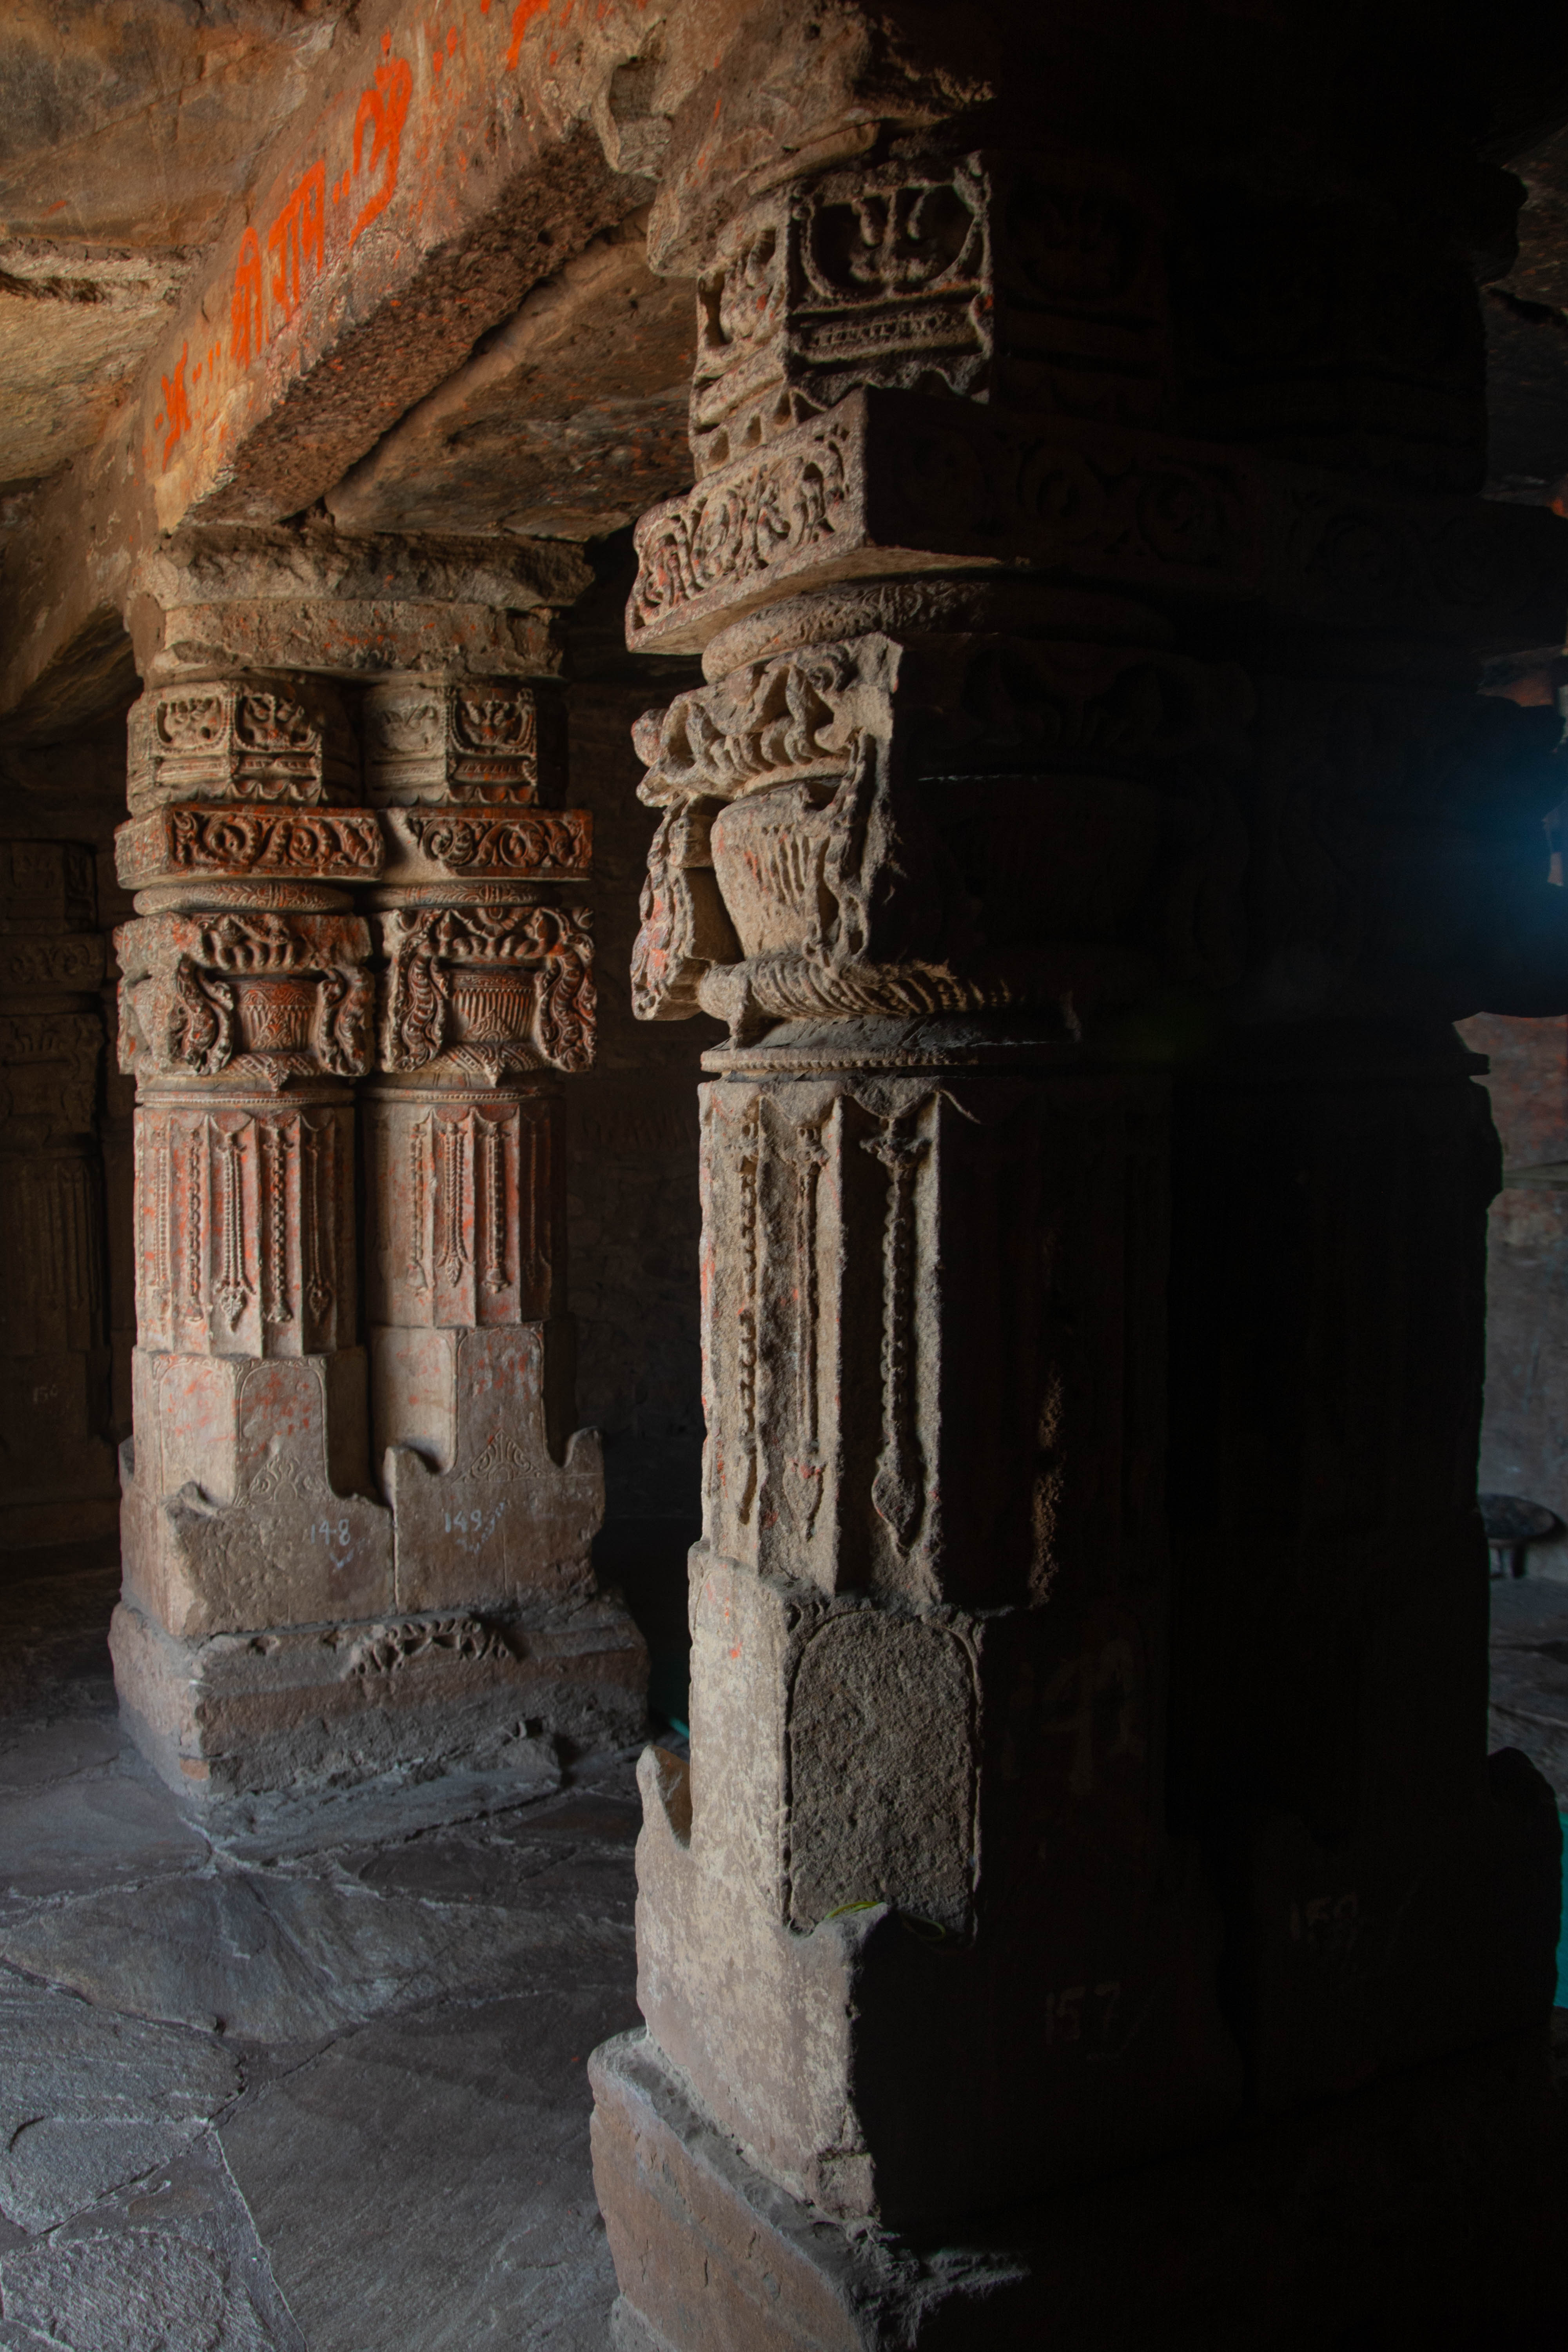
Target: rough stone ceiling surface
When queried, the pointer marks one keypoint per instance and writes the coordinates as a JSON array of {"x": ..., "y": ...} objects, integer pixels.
[
  {"x": 125, "y": 133},
  {"x": 568, "y": 422}
]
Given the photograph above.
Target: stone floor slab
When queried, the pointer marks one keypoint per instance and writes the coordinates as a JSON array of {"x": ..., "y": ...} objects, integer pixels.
[
  {"x": 89, "y": 2102},
  {"x": 292, "y": 1959},
  {"x": 460, "y": 2141}
]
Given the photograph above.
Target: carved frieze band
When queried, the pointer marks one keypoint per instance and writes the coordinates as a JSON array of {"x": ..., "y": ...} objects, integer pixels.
[
  {"x": 892, "y": 481},
  {"x": 485, "y": 989},
  {"x": 244, "y": 1219},
  {"x": 508, "y": 843},
  {"x": 256, "y": 997},
  {"x": 179, "y": 842},
  {"x": 240, "y": 740},
  {"x": 462, "y": 1206}
]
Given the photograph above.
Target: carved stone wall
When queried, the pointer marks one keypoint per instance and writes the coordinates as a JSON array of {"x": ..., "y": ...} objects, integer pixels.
[
  {"x": 354, "y": 1395},
  {"x": 1087, "y": 828},
  {"x": 56, "y": 1460}
]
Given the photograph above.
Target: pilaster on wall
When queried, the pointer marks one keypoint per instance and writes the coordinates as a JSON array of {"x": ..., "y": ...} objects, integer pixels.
[
  {"x": 360, "y": 962},
  {"x": 57, "y": 1479},
  {"x": 1087, "y": 830}
]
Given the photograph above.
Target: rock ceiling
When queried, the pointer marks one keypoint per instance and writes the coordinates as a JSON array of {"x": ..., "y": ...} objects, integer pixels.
[{"x": 261, "y": 257}]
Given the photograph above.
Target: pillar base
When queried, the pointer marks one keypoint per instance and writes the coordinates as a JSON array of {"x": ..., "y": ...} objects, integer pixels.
[
  {"x": 313, "y": 1706},
  {"x": 1433, "y": 2198}
]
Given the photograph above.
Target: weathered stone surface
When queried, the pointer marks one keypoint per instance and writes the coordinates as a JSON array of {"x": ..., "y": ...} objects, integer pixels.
[
  {"x": 292, "y": 1959},
  {"x": 74, "y": 325},
  {"x": 155, "y": 2284},
  {"x": 218, "y": 1435},
  {"x": 504, "y": 1948},
  {"x": 91, "y": 2101},
  {"x": 304, "y": 599},
  {"x": 89, "y": 1832},
  {"x": 569, "y": 422},
  {"x": 342, "y": 2160}
]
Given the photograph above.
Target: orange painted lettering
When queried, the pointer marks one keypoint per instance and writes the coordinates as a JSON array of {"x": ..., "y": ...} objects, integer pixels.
[
  {"x": 299, "y": 229},
  {"x": 248, "y": 323},
  {"x": 176, "y": 407},
  {"x": 386, "y": 109},
  {"x": 522, "y": 16}
]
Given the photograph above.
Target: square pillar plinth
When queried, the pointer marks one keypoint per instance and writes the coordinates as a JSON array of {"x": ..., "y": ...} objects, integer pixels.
[{"x": 1417, "y": 2211}]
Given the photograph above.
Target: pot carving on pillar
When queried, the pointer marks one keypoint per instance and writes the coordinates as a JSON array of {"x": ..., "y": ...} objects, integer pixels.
[
  {"x": 355, "y": 1549},
  {"x": 1088, "y": 818}
]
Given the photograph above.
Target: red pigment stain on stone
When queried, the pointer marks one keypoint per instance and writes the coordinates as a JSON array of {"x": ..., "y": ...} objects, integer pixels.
[{"x": 523, "y": 17}]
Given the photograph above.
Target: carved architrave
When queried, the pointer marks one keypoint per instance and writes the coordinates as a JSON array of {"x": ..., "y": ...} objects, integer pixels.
[
  {"x": 437, "y": 738},
  {"x": 173, "y": 844},
  {"x": 240, "y": 740},
  {"x": 466, "y": 1206},
  {"x": 253, "y": 997},
  {"x": 516, "y": 843},
  {"x": 488, "y": 989},
  {"x": 1035, "y": 280},
  {"x": 245, "y": 1228},
  {"x": 896, "y": 481}
]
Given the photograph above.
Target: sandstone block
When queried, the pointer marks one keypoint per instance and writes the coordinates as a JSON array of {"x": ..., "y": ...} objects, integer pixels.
[
  {"x": 483, "y": 1511},
  {"x": 337, "y": 1704},
  {"x": 246, "y": 1501}
]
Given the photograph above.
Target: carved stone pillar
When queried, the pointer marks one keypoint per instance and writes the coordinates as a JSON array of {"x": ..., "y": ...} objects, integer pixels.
[
  {"x": 57, "y": 1464},
  {"x": 1089, "y": 821},
  {"x": 254, "y": 1555},
  {"x": 341, "y": 1560},
  {"x": 487, "y": 995}
]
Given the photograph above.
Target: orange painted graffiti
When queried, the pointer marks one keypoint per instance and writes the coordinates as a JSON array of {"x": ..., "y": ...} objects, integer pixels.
[
  {"x": 176, "y": 413},
  {"x": 386, "y": 109},
  {"x": 522, "y": 16},
  {"x": 249, "y": 322},
  {"x": 299, "y": 229}
]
